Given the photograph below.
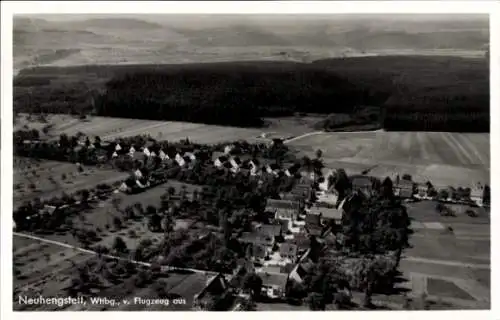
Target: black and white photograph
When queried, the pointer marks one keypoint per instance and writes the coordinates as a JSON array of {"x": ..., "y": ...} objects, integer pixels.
[{"x": 249, "y": 162}]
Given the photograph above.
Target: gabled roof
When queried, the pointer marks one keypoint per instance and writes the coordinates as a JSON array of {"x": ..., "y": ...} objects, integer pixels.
[
  {"x": 273, "y": 279},
  {"x": 269, "y": 229},
  {"x": 328, "y": 213},
  {"x": 283, "y": 204},
  {"x": 288, "y": 249}
]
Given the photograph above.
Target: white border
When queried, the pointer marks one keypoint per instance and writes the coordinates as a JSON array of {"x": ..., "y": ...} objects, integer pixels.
[{"x": 222, "y": 7}]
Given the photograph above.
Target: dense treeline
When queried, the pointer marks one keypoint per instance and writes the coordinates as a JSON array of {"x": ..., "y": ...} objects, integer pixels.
[
  {"x": 242, "y": 93},
  {"x": 238, "y": 97}
]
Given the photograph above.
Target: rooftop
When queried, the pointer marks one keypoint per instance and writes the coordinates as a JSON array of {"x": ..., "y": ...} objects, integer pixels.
[
  {"x": 273, "y": 279},
  {"x": 327, "y": 213}
]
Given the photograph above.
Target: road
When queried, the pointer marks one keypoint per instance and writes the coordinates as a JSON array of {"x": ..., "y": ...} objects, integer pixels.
[{"x": 76, "y": 248}]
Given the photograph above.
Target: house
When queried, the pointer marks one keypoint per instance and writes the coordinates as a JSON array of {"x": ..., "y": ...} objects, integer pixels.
[
  {"x": 255, "y": 239},
  {"x": 476, "y": 194},
  {"x": 288, "y": 251},
  {"x": 191, "y": 156},
  {"x": 323, "y": 185},
  {"x": 142, "y": 183},
  {"x": 118, "y": 147},
  {"x": 362, "y": 183},
  {"x": 180, "y": 160},
  {"x": 138, "y": 174},
  {"x": 219, "y": 159},
  {"x": 326, "y": 215},
  {"x": 273, "y": 284},
  {"x": 163, "y": 155},
  {"x": 235, "y": 163},
  {"x": 258, "y": 250},
  {"x": 269, "y": 230},
  {"x": 114, "y": 155},
  {"x": 302, "y": 191},
  {"x": 313, "y": 219},
  {"x": 131, "y": 150},
  {"x": 228, "y": 149},
  {"x": 146, "y": 152},
  {"x": 302, "y": 268},
  {"x": 404, "y": 189},
  {"x": 422, "y": 190},
  {"x": 153, "y": 154},
  {"x": 215, "y": 287},
  {"x": 302, "y": 241},
  {"x": 283, "y": 209}
]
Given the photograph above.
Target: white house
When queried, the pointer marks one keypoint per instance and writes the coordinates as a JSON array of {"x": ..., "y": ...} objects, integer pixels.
[
  {"x": 190, "y": 155},
  {"x": 228, "y": 149},
  {"x": 253, "y": 170},
  {"x": 118, "y": 147},
  {"x": 131, "y": 150},
  {"x": 153, "y": 154},
  {"x": 146, "y": 152},
  {"x": 114, "y": 155},
  {"x": 142, "y": 186},
  {"x": 218, "y": 163},
  {"x": 138, "y": 174},
  {"x": 323, "y": 186},
  {"x": 476, "y": 194},
  {"x": 180, "y": 160},
  {"x": 163, "y": 155},
  {"x": 287, "y": 173},
  {"x": 235, "y": 163}
]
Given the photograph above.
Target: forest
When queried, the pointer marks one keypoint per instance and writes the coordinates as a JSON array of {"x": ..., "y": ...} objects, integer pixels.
[{"x": 409, "y": 92}]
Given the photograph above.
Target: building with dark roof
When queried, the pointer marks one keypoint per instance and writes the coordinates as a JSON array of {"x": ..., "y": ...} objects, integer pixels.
[
  {"x": 273, "y": 284},
  {"x": 288, "y": 251},
  {"x": 404, "y": 189}
]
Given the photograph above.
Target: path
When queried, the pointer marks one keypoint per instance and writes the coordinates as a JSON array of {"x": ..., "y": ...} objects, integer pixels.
[
  {"x": 303, "y": 136},
  {"x": 447, "y": 263}
]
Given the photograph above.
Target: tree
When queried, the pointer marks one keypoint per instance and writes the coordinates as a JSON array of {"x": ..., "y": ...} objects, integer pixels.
[
  {"x": 119, "y": 245},
  {"x": 342, "y": 183},
  {"x": 407, "y": 177},
  {"x": 486, "y": 195},
  {"x": 319, "y": 154},
  {"x": 118, "y": 223},
  {"x": 253, "y": 283},
  {"x": 443, "y": 194},
  {"x": 155, "y": 222},
  {"x": 316, "y": 301},
  {"x": 387, "y": 188}
]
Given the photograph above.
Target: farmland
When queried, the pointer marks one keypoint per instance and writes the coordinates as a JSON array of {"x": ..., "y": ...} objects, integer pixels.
[
  {"x": 46, "y": 179},
  {"x": 112, "y": 128},
  {"x": 441, "y": 157}
]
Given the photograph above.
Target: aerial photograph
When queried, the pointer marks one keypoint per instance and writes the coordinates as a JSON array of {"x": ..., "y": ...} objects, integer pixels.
[{"x": 189, "y": 162}]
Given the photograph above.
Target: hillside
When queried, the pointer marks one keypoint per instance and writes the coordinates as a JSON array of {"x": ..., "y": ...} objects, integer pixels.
[{"x": 190, "y": 39}]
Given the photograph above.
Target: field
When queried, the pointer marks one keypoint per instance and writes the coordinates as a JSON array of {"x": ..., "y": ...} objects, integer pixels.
[
  {"x": 112, "y": 128},
  {"x": 458, "y": 260},
  {"x": 440, "y": 157},
  {"x": 47, "y": 178}
]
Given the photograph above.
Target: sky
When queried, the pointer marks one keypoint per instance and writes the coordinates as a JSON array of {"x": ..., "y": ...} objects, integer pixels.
[{"x": 160, "y": 18}]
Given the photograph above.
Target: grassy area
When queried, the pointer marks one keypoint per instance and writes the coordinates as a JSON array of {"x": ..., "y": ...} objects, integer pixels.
[{"x": 443, "y": 288}]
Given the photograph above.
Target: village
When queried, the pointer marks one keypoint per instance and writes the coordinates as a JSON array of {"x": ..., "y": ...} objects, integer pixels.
[{"x": 252, "y": 222}]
